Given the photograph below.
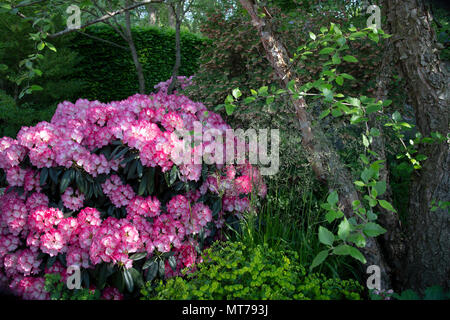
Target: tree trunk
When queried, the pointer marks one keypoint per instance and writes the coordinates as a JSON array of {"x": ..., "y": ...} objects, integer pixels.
[
  {"x": 172, "y": 17},
  {"x": 137, "y": 63},
  {"x": 152, "y": 17},
  {"x": 428, "y": 259},
  {"x": 177, "y": 10},
  {"x": 323, "y": 158},
  {"x": 393, "y": 241}
]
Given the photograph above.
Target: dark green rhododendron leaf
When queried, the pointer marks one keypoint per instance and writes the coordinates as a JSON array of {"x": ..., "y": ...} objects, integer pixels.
[
  {"x": 65, "y": 181},
  {"x": 172, "y": 263},
  {"x": 152, "y": 270},
  {"x": 128, "y": 279},
  {"x": 137, "y": 277},
  {"x": 162, "y": 269},
  {"x": 44, "y": 176},
  {"x": 138, "y": 256}
]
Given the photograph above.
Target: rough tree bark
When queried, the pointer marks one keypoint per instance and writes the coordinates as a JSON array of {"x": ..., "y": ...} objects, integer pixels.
[
  {"x": 393, "y": 241},
  {"x": 428, "y": 259},
  {"x": 323, "y": 158},
  {"x": 176, "y": 9}
]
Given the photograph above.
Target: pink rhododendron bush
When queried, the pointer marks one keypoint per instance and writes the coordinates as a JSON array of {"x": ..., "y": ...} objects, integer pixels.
[{"x": 99, "y": 188}]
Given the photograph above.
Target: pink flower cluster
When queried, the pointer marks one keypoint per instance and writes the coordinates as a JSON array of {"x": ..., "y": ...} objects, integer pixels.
[
  {"x": 72, "y": 200},
  {"x": 11, "y": 153},
  {"x": 119, "y": 194},
  {"x": 113, "y": 241},
  {"x": 30, "y": 288},
  {"x": 23, "y": 262},
  {"x": 111, "y": 293},
  {"x": 30, "y": 225}
]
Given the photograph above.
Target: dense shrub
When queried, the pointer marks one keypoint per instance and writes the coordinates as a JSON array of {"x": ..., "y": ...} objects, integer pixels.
[
  {"x": 97, "y": 187},
  {"x": 13, "y": 117},
  {"x": 234, "y": 271},
  {"x": 236, "y": 58},
  {"x": 53, "y": 72},
  {"x": 58, "y": 80},
  {"x": 104, "y": 66}
]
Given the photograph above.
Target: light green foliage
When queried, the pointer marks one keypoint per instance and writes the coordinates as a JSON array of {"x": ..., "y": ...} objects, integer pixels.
[
  {"x": 332, "y": 44},
  {"x": 235, "y": 271},
  {"x": 283, "y": 222}
]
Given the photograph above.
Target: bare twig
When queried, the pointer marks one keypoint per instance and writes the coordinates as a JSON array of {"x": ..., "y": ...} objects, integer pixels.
[
  {"x": 103, "y": 40},
  {"x": 22, "y": 5},
  {"x": 107, "y": 16}
]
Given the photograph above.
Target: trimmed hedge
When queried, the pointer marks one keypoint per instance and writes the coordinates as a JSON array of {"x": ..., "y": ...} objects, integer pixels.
[{"x": 108, "y": 72}]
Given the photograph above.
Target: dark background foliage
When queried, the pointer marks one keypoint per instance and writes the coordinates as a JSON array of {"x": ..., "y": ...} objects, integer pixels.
[
  {"x": 108, "y": 72},
  {"x": 84, "y": 67}
]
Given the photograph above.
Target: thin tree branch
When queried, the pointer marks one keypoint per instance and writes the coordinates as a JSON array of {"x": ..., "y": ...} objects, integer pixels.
[
  {"x": 103, "y": 40},
  {"x": 118, "y": 26},
  {"x": 105, "y": 17},
  {"x": 121, "y": 33},
  {"x": 22, "y": 5}
]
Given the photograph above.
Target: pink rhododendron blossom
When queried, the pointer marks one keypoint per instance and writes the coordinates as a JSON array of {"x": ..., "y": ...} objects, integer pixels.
[
  {"x": 124, "y": 149},
  {"x": 8, "y": 243},
  {"x": 36, "y": 201},
  {"x": 243, "y": 184},
  {"x": 33, "y": 241},
  {"x": 111, "y": 293},
  {"x": 52, "y": 242},
  {"x": 69, "y": 228},
  {"x": 76, "y": 256},
  {"x": 138, "y": 206},
  {"x": 31, "y": 181},
  {"x": 179, "y": 206},
  {"x": 15, "y": 176},
  {"x": 44, "y": 219},
  {"x": 30, "y": 288},
  {"x": 72, "y": 200},
  {"x": 89, "y": 216},
  {"x": 28, "y": 262},
  {"x": 11, "y": 153},
  {"x": 15, "y": 214},
  {"x": 118, "y": 193}
]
